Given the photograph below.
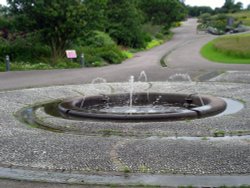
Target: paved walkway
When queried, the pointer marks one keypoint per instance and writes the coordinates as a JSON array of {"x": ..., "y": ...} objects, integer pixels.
[{"x": 183, "y": 57}]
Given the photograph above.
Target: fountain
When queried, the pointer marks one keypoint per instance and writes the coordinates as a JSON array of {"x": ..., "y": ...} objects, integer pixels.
[{"x": 143, "y": 105}]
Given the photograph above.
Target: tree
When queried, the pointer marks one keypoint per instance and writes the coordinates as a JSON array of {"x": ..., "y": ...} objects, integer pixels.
[
  {"x": 124, "y": 23},
  {"x": 163, "y": 12},
  {"x": 3, "y": 10},
  {"x": 96, "y": 18},
  {"x": 230, "y": 6},
  {"x": 58, "y": 22},
  {"x": 238, "y": 6},
  {"x": 197, "y": 11}
]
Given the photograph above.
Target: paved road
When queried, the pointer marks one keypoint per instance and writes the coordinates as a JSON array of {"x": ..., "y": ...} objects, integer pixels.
[{"x": 183, "y": 57}]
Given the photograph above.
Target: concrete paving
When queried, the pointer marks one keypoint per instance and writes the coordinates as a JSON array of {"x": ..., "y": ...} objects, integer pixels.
[
  {"x": 105, "y": 149},
  {"x": 126, "y": 153}
]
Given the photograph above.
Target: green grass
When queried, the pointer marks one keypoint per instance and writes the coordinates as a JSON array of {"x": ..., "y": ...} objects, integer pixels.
[
  {"x": 219, "y": 133},
  {"x": 24, "y": 66},
  {"x": 233, "y": 49},
  {"x": 235, "y": 45}
]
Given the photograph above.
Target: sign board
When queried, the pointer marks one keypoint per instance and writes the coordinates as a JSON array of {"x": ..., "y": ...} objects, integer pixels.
[{"x": 71, "y": 54}]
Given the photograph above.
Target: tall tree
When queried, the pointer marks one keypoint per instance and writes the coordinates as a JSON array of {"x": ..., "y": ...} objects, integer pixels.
[
  {"x": 59, "y": 22},
  {"x": 96, "y": 18},
  {"x": 163, "y": 12},
  {"x": 230, "y": 6},
  {"x": 197, "y": 11},
  {"x": 124, "y": 22}
]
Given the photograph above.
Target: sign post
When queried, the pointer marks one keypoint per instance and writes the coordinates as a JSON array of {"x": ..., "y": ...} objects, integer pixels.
[{"x": 71, "y": 54}]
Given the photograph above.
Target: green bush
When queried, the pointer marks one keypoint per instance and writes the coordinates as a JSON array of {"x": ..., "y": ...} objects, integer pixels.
[
  {"x": 110, "y": 54},
  {"x": 90, "y": 55},
  {"x": 127, "y": 54},
  {"x": 98, "y": 64},
  {"x": 151, "y": 29},
  {"x": 205, "y": 18},
  {"x": 147, "y": 37},
  {"x": 154, "y": 43},
  {"x": 4, "y": 49},
  {"x": 95, "y": 39},
  {"x": 111, "y": 57},
  {"x": 176, "y": 24},
  {"x": 159, "y": 36},
  {"x": 24, "y": 49}
]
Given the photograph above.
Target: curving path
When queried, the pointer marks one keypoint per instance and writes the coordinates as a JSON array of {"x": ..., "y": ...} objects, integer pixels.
[{"x": 183, "y": 57}]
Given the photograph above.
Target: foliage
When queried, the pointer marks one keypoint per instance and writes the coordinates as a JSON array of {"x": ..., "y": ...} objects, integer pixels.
[
  {"x": 59, "y": 22},
  {"x": 24, "y": 49},
  {"x": 34, "y": 31},
  {"x": 196, "y": 11},
  {"x": 242, "y": 16},
  {"x": 95, "y": 39},
  {"x": 219, "y": 23},
  {"x": 230, "y": 6},
  {"x": 163, "y": 12},
  {"x": 225, "y": 54},
  {"x": 95, "y": 15},
  {"x": 205, "y": 18},
  {"x": 124, "y": 23},
  {"x": 17, "y": 66},
  {"x": 154, "y": 43},
  {"x": 3, "y": 10},
  {"x": 109, "y": 54},
  {"x": 127, "y": 54}
]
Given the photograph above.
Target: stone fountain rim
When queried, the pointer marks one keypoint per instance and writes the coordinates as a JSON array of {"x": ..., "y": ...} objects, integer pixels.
[{"x": 213, "y": 106}]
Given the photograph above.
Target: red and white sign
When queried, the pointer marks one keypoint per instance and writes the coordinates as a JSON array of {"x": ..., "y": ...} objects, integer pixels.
[{"x": 71, "y": 54}]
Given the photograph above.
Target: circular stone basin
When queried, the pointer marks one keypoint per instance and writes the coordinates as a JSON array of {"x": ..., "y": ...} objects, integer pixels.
[{"x": 145, "y": 106}]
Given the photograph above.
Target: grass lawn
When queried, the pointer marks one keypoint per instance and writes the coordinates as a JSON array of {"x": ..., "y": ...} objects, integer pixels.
[{"x": 233, "y": 49}]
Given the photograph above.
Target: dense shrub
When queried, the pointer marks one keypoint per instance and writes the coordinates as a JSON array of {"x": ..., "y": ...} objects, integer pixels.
[
  {"x": 154, "y": 43},
  {"x": 95, "y": 39},
  {"x": 219, "y": 22},
  {"x": 205, "y": 18},
  {"x": 159, "y": 36},
  {"x": 109, "y": 54},
  {"x": 26, "y": 49}
]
